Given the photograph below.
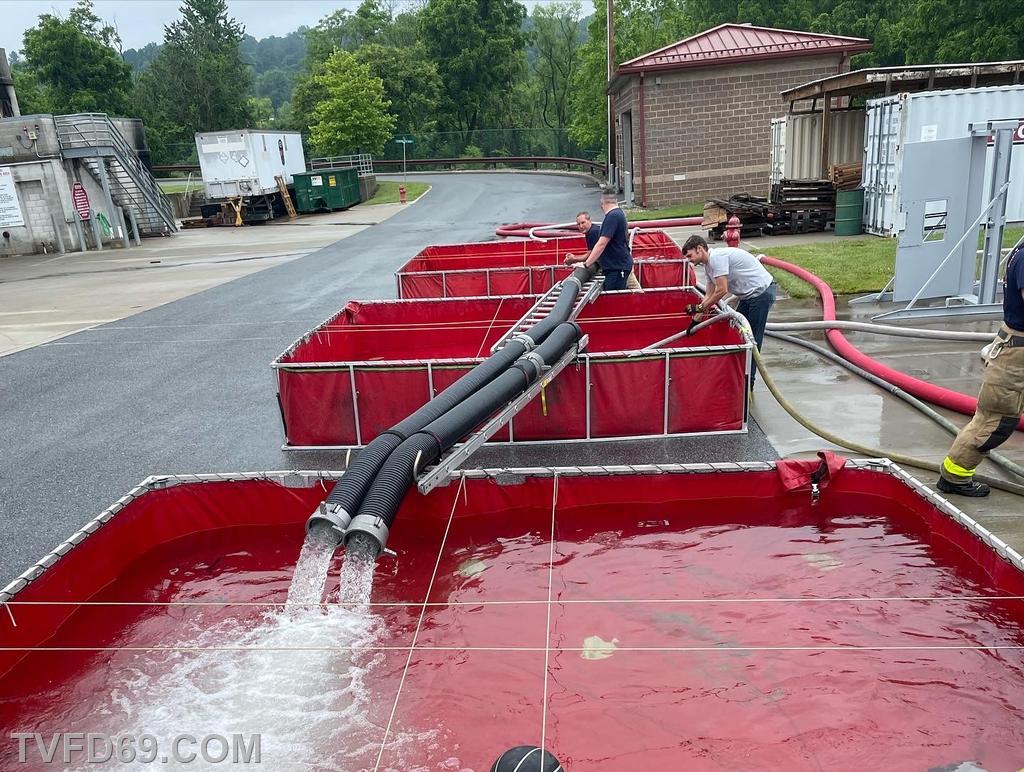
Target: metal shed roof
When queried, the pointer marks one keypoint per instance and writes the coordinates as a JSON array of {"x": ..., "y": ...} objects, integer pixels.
[
  {"x": 915, "y": 77},
  {"x": 732, "y": 43}
]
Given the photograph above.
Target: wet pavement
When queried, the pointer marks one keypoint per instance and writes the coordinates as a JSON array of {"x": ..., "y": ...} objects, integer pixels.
[
  {"x": 187, "y": 388},
  {"x": 46, "y": 297}
]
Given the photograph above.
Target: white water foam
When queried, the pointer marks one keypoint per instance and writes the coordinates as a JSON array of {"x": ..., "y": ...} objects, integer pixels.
[
  {"x": 310, "y": 575},
  {"x": 295, "y": 680}
]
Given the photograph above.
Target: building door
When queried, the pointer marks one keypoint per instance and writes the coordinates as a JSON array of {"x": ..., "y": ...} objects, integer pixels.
[{"x": 626, "y": 121}]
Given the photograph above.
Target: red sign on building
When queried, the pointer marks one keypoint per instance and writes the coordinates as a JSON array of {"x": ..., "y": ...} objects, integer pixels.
[{"x": 81, "y": 199}]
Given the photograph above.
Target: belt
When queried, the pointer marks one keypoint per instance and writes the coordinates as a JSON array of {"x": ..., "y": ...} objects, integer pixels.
[{"x": 1009, "y": 340}]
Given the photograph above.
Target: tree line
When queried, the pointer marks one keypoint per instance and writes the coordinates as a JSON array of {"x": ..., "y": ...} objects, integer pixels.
[{"x": 459, "y": 77}]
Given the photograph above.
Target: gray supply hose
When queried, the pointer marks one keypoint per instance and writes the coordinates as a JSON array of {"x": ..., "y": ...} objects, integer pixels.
[
  {"x": 996, "y": 458},
  {"x": 864, "y": 450},
  {"x": 881, "y": 329}
]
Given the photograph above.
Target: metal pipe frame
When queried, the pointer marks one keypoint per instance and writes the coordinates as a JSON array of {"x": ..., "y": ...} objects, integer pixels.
[
  {"x": 308, "y": 335},
  {"x": 504, "y": 476},
  {"x": 443, "y": 470},
  {"x": 638, "y": 264}
]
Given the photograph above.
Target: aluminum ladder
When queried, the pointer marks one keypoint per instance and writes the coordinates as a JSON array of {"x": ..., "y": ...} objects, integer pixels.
[{"x": 545, "y": 303}]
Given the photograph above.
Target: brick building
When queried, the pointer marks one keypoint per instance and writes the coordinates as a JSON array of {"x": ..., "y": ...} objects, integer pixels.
[{"x": 693, "y": 119}]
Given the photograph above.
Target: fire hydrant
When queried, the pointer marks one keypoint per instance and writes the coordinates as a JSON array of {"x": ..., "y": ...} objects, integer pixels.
[
  {"x": 401, "y": 194},
  {"x": 732, "y": 231}
]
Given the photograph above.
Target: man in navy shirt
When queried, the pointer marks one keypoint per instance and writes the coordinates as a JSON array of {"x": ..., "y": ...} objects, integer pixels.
[
  {"x": 1001, "y": 400},
  {"x": 612, "y": 247},
  {"x": 592, "y": 233}
]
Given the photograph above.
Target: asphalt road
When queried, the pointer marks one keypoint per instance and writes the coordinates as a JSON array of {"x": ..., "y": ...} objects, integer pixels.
[{"x": 187, "y": 387}]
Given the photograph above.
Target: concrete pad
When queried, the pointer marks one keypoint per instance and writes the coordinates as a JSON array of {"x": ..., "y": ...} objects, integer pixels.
[{"x": 47, "y": 297}]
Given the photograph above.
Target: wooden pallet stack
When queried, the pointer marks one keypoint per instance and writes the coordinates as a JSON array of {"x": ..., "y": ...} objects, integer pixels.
[
  {"x": 846, "y": 176},
  {"x": 803, "y": 194}
]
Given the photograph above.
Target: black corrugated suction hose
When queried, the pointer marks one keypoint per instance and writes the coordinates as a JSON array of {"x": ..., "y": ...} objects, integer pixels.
[
  {"x": 377, "y": 512},
  {"x": 348, "y": 493}
]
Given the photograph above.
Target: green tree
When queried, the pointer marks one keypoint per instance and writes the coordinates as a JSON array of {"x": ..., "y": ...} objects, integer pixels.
[
  {"x": 640, "y": 26},
  {"x": 309, "y": 91},
  {"x": 347, "y": 31},
  {"x": 411, "y": 84},
  {"x": 70, "y": 65},
  {"x": 354, "y": 115},
  {"x": 557, "y": 36},
  {"x": 198, "y": 81},
  {"x": 262, "y": 112},
  {"x": 276, "y": 85},
  {"x": 479, "y": 49},
  {"x": 959, "y": 31}
]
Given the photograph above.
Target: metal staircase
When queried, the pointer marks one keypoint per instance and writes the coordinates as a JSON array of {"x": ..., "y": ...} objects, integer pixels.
[
  {"x": 94, "y": 140},
  {"x": 546, "y": 302}
]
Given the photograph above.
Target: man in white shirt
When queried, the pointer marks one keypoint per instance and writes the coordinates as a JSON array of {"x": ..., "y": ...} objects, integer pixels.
[{"x": 730, "y": 270}]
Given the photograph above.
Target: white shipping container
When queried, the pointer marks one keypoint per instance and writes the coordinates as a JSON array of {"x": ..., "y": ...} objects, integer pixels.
[
  {"x": 894, "y": 121},
  {"x": 796, "y": 143},
  {"x": 244, "y": 163}
]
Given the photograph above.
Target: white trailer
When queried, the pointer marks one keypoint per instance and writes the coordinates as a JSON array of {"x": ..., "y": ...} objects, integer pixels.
[
  {"x": 245, "y": 163},
  {"x": 896, "y": 120}
]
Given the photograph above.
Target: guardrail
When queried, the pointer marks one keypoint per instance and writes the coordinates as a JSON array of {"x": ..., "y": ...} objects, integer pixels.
[{"x": 491, "y": 162}]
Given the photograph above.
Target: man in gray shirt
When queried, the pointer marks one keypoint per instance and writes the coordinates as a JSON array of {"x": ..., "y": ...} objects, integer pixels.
[{"x": 730, "y": 270}]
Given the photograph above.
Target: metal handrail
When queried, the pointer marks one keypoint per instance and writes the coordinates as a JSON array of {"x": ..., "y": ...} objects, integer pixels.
[
  {"x": 566, "y": 161},
  {"x": 595, "y": 166},
  {"x": 361, "y": 161},
  {"x": 96, "y": 129}
]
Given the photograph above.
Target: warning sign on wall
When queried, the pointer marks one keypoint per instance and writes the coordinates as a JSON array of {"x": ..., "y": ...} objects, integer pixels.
[
  {"x": 81, "y": 200},
  {"x": 10, "y": 208}
]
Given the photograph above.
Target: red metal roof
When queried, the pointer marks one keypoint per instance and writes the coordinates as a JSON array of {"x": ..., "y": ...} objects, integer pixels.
[{"x": 731, "y": 43}]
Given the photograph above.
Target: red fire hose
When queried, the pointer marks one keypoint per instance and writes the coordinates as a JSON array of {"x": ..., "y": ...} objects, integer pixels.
[
  {"x": 929, "y": 392},
  {"x": 522, "y": 229}
]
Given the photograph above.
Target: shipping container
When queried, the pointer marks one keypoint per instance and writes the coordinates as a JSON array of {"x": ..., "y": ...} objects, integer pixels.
[
  {"x": 245, "y": 163},
  {"x": 325, "y": 190},
  {"x": 796, "y": 144},
  {"x": 894, "y": 121}
]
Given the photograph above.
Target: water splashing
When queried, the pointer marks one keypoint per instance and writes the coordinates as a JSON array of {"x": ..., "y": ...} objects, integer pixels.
[
  {"x": 302, "y": 678},
  {"x": 307, "y": 588},
  {"x": 357, "y": 572}
]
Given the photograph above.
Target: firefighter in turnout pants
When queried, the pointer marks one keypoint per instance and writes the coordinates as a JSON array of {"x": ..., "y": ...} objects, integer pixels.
[{"x": 1001, "y": 400}]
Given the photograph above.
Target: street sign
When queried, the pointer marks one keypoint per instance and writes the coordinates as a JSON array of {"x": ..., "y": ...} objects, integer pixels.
[{"x": 81, "y": 199}]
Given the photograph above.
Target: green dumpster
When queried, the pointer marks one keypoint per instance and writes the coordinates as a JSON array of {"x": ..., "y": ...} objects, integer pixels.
[
  {"x": 325, "y": 190},
  {"x": 849, "y": 212}
]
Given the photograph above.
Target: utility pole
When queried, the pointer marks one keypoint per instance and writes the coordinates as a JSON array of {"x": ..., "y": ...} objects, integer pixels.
[{"x": 610, "y": 104}]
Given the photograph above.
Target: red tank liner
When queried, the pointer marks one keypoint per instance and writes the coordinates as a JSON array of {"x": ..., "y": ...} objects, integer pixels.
[
  {"x": 750, "y": 673},
  {"x": 374, "y": 363},
  {"x": 528, "y": 267}
]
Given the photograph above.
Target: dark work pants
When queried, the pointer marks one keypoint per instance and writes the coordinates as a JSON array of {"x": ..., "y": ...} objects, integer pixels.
[
  {"x": 615, "y": 280},
  {"x": 756, "y": 311}
]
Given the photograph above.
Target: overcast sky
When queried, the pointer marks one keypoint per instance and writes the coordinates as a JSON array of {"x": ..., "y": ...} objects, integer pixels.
[{"x": 143, "y": 21}]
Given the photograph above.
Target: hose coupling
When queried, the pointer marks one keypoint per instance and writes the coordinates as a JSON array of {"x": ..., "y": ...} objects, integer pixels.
[
  {"x": 330, "y": 519},
  {"x": 528, "y": 343},
  {"x": 373, "y": 527}
]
